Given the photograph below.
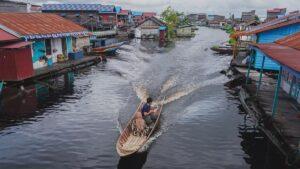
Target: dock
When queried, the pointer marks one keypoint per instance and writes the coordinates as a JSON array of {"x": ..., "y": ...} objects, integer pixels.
[
  {"x": 58, "y": 69},
  {"x": 282, "y": 128}
]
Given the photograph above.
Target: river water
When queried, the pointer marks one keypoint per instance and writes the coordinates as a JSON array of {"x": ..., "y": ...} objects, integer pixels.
[{"x": 76, "y": 121}]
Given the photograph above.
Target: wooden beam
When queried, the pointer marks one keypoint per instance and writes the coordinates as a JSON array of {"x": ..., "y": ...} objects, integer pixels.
[
  {"x": 249, "y": 69},
  {"x": 275, "y": 101},
  {"x": 1, "y": 86},
  {"x": 260, "y": 74}
]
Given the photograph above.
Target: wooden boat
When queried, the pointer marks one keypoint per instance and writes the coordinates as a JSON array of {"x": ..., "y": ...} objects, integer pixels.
[
  {"x": 129, "y": 141},
  {"x": 104, "y": 45},
  {"x": 226, "y": 48}
]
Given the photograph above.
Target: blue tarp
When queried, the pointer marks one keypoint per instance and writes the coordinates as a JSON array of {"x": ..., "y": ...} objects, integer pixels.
[
  {"x": 162, "y": 28},
  {"x": 136, "y": 13},
  {"x": 118, "y": 9}
]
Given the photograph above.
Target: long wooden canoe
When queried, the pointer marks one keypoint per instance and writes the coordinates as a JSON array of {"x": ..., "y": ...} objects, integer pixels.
[{"x": 129, "y": 142}]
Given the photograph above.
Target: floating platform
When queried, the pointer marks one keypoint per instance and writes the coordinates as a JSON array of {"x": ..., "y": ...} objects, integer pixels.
[
  {"x": 59, "y": 68},
  {"x": 282, "y": 128}
]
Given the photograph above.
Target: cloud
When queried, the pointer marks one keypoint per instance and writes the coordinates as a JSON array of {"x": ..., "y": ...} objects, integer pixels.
[{"x": 224, "y": 7}]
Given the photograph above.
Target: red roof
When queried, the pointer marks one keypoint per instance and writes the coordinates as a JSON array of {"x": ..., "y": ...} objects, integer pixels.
[
  {"x": 283, "y": 54},
  {"x": 38, "y": 23},
  {"x": 149, "y": 14},
  {"x": 292, "y": 41},
  {"x": 275, "y": 10},
  {"x": 276, "y": 23},
  {"x": 5, "y": 36},
  {"x": 16, "y": 45},
  {"x": 124, "y": 12}
]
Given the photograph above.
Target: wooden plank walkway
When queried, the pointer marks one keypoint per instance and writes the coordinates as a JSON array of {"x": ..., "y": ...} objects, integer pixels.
[
  {"x": 287, "y": 119},
  {"x": 56, "y": 67}
]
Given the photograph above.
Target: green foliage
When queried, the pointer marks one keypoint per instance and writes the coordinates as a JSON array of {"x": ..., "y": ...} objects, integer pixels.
[
  {"x": 229, "y": 29},
  {"x": 173, "y": 19},
  {"x": 257, "y": 18},
  {"x": 170, "y": 16},
  {"x": 232, "y": 41}
]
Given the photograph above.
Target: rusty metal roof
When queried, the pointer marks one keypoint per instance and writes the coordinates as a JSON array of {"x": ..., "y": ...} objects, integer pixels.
[
  {"x": 273, "y": 24},
  {"x": 5, "y": 36},
  {"x": 149, "y": 14},
  {"x": 27, "y": 24},
  {"x": 284, "y": 55},
  {"x": 124, "y": 12},
  {"x": 292, "y": 41}
]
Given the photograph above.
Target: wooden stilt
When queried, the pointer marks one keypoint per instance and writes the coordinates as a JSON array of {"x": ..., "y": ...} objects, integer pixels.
[
  {"x": 260, "y": 74},
  {"x": 248, "y": 70},
  {"x": 45, "y": 84},
  {"x": 1, "y": 86},
  {"x": 275, "y": 101}
]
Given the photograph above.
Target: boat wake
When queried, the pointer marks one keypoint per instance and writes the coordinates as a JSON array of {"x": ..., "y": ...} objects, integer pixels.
[{"x": 142, "y": 94}]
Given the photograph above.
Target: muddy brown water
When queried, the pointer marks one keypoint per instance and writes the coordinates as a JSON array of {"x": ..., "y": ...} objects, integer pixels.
[{"x": 76, "y": 124}]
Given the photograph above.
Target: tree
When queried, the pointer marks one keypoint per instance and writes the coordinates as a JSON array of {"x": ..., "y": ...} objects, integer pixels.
[{"x": 171, "y": 18}]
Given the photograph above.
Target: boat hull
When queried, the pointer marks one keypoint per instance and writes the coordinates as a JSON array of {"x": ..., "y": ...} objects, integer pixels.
[
  {"x": 108, "y": 49},
  {"x": 130, "y": 143}
]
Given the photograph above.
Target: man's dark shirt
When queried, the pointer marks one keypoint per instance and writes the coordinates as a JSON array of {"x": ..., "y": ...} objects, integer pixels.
[{"x": 145, "y": 109}]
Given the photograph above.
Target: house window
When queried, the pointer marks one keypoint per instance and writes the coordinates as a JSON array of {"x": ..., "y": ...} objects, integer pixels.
[{"x": 48, "y": 47}]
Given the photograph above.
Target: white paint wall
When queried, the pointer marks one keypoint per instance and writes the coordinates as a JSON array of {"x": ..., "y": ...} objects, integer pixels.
[
  {"x": 150, "y": 32},
  {"x": 56, "y": 44},
  {"x": 138, "y": 33},
  {"x": 82, "y": 42}
]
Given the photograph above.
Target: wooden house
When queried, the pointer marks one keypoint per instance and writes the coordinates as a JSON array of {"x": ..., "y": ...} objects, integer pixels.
[
  {"x": 36, "y": 40},
  {"x": 151, "y": 28},
  {"x": 95, "y": 17},
  {"x": 137, "y": 17},
  {"x": 185, "y": 31},
  {"x": 124, "y": 18},
  {"x": 286, "y": 54},
  {"x": 275, "y": 13},
  {"x": 268, "y": 33}
]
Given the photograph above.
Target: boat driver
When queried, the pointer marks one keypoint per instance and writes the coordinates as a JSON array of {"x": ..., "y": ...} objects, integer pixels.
[{"x": 148, "y": 113}]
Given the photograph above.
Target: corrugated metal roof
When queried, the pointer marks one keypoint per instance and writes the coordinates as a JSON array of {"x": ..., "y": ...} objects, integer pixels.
[
  {"x": 149, "y": 14},
  {"x": 273, "y": 24},
  {"x": 284, "y": 55},
  {"x": 292, "y": 41},
  {"x": 154, "y": 19},
  {"x": 27, "y": 24},
  {"x": 137, "y": 13},
  {"x": 107, "y": 9},
  {"x": 124, "y": 12},
  {"x": 71, "y": 7},
  {"x": 79, "y": 7},
  {"x": 276, "y": 10},
  {"x": 5, "y": 36}
]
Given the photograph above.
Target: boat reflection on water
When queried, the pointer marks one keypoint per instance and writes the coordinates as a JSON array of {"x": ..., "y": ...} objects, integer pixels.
[
  {"x": 135, "y": 161},
  {"x": 23, "y": 104}
]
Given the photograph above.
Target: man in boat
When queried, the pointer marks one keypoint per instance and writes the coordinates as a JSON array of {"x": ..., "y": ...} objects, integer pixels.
[{"x": 149, "y": 113}]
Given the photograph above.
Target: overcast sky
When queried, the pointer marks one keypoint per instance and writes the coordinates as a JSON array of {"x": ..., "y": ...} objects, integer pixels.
[{"x": 224, "y": 7}]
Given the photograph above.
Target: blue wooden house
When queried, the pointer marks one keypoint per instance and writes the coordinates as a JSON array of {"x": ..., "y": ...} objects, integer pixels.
[
  {"x": 50, "y": 36},
  {"x": 270, "y": 32}
]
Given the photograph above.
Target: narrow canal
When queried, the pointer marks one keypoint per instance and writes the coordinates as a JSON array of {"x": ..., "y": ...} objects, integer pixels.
[{"x": 75, "y": 123}]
